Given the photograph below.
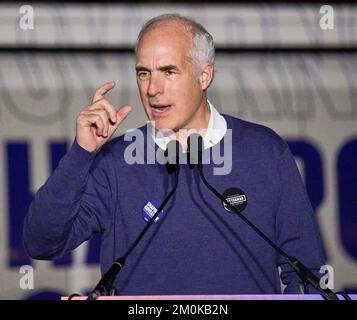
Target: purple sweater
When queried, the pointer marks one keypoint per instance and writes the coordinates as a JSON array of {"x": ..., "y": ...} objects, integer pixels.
[{"x": 196, "y": 247}]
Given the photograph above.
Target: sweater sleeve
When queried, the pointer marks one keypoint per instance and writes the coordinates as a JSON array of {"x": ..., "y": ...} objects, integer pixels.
[
  {"x": 296, "y": 227},
  {"x": 69, "y": 208}
]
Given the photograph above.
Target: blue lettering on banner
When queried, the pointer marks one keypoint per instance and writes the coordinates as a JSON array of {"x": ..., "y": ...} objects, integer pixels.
[
  {"x": 347, "y": 196},
  {"x": 93, "y": 256},
  {"x": 19, "y": 199},
  {"x": 313, "y": 173}
]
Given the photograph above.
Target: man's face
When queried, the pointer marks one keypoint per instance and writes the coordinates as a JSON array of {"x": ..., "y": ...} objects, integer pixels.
[{"x": 169, "y": 88}]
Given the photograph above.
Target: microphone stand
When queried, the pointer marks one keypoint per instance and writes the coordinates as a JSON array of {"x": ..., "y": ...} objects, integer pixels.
[
  {"x": 104, "y": 286},
  {"x": 303, "y": 272}
]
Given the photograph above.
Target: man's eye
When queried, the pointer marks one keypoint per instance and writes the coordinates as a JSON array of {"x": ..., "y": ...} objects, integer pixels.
[
  {"x": 169, "y": 72},
  {"x": 142, "y": 74}
]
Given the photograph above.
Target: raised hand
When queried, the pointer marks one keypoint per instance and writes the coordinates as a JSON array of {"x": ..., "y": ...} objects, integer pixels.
[{"x": 97, "y": 122}]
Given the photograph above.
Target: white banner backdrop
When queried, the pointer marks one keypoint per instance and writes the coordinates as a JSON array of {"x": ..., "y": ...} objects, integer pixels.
[
  {"x": 308, "y": 98},
  {"x": 103, "y": 24}
]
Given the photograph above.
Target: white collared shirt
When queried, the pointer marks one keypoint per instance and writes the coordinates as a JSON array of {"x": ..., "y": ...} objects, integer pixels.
[{"x": 217, "y": 127}]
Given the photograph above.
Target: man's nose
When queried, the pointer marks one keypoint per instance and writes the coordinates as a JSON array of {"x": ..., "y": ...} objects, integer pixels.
[{"x": 156, "y": 86}]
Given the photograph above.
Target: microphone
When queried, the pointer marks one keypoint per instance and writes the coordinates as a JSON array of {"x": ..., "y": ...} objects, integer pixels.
[
  {"x": 173, "y": 154},
  {"x": 194, "y": 149},
  {"x": 302, "y": 271},
  {"x": 105, "y": 285}
]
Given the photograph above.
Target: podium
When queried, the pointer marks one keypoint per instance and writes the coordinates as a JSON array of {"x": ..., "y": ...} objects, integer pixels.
[{"x": 244, "y": 297}]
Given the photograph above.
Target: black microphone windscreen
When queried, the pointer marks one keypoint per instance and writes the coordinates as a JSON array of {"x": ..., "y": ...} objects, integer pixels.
[
  {"x": 173, "y": 152},
  {"x": 194, "y": 148}
]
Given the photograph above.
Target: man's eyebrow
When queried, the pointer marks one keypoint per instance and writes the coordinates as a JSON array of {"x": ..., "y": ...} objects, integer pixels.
[
  {"x": 168, "y": 67},
  {"x": 163, "y": 68},
  {"x": 141, "y": 68}
]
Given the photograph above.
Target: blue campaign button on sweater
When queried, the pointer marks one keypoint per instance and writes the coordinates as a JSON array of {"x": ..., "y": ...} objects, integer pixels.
[{"x": 150, "y": 209}]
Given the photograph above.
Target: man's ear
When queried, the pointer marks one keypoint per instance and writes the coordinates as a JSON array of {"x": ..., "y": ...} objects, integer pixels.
[{"x": 206, "y": 75}]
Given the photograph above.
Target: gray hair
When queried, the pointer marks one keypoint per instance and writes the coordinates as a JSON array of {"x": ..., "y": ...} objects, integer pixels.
[{"x": 202, "y": 42}]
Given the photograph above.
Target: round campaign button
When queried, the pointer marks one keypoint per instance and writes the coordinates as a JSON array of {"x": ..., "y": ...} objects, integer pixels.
[{"x": 236, "y": 197}]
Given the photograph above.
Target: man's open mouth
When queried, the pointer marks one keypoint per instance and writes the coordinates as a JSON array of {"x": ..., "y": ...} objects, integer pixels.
[{"x": 160, "y": 109}]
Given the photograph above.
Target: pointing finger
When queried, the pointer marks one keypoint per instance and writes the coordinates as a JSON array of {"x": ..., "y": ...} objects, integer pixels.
[{"x": 100, "y": 92}]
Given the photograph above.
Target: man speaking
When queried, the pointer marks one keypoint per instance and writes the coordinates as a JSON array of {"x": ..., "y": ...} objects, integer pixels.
[{"x": 196, "y": 245}]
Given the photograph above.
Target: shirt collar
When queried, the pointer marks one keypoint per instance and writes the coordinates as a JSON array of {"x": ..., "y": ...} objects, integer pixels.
[{"x": 217, "y": 127}]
